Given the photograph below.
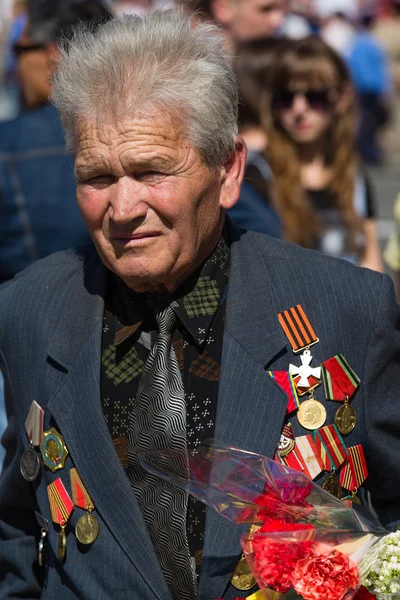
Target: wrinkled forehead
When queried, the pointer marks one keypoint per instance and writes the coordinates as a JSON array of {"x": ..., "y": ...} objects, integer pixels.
[{"x": 110, "y": 130}]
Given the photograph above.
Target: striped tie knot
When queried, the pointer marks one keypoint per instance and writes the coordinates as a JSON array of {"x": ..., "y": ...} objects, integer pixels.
[{"x": 166, "y": 319}]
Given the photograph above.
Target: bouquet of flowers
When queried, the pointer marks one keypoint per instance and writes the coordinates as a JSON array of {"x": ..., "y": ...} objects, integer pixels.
[
  {"x": 303, "y": 542},
  {"x": 380, "y": 568}
]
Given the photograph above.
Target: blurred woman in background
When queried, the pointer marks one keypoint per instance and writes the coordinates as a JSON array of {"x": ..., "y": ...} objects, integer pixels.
[{"x": 320, "y": 191}]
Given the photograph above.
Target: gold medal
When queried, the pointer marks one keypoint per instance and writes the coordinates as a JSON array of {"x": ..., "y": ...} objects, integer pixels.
[
  {"x": 311, "y": 414},
  {"x": 53, "y": 449},
  {"x": 87, "y": 529},
  {"x": 62, "y": 544},
  {"x": 242, "y": 578},
  {"x": 332, "y": 485},
  {"x": 345, "y": 418}
]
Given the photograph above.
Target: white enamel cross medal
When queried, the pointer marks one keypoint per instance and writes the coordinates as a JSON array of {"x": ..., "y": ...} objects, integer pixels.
[{"x": 305, "y": 377}]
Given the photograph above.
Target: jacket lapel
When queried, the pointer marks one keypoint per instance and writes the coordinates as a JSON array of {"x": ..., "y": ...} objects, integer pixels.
[
  {"x": 76, "y": 407},
  {"x": 251, "y": 406}
]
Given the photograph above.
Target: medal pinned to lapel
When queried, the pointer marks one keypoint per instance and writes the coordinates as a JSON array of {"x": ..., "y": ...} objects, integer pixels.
[
  {"x": 333, "y": 453},
  {"x": 53, "y": 449},
  {"x": 30, "y": 461},
  {"x": 242, "y": 578},
  {"x": 340, "y": 383},
  {"x": 354, "y": 473},
  {"x": 87, "y": 528},
  {"x": 287, "y": 441},
  {"x": 297, "y": 328},
  {"x": 61, "y": 507}
]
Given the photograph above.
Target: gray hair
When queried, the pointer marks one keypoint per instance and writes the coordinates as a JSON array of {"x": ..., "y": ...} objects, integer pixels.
[{"x": 161, "y": 60}]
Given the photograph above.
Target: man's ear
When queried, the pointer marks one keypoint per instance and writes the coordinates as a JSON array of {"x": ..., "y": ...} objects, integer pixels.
[{"x": 232, "y": 175}]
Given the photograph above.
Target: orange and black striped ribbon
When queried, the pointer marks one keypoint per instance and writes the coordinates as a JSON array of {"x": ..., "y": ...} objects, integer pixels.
[
  {"x": 355, "y": 472},
  {"x": 297, "y": 328},
  {"x": 80, "y": 495},
  {"x": 61, "y": 505}
]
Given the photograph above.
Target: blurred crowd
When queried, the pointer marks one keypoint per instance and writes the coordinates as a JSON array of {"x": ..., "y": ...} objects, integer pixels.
[{"x": 319, "y": 82}]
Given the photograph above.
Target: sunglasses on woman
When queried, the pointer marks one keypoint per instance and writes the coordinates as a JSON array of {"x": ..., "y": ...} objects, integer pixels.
[{"x": 316, "y": 99}]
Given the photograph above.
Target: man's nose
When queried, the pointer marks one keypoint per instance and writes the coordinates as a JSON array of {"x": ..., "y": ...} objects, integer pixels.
[{"x": 127, "y": 201}]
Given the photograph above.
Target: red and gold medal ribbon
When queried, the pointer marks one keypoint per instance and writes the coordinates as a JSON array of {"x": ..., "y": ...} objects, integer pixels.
[
  {"x": 340, "y": 381},
  {"x": 355, "y": 472},
  {"x": 331, "y": 447},
  {"x": 297, "y": 328},
  {"x": 285, "y": 381},
  {"x": 61, "y": 505},
  {"x": 80, "y": 495}
]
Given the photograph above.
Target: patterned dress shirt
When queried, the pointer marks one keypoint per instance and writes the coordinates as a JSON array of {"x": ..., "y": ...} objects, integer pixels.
[{"x": 129, "y": 332}]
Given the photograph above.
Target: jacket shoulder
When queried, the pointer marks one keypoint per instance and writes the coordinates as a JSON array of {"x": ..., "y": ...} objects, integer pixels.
[{"x": 49, "y": 272}]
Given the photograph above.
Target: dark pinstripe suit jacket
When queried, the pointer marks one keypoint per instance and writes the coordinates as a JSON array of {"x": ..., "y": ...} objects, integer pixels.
[{"x": 50, "y": 334}]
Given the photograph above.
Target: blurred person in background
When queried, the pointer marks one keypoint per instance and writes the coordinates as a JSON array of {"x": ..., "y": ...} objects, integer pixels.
[
  {"x": 38, "y": 212},
  {"x": 323, "y": 198},
  {"x": 369, "y": 67},
  {"x": 12, "y": 24},
  {"x": 255, "y": 210},
  {"x": 338, "y": 31},
  {"x": 242, "y": 20},
  {"x": 387, "y": 32}
]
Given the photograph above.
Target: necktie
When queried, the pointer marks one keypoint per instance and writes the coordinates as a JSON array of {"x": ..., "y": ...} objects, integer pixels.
[{"x": 157, "y": 427}]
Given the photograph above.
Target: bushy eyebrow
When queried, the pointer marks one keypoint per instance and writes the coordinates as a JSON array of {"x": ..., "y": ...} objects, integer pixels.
[{"x": 85, "y": 170}]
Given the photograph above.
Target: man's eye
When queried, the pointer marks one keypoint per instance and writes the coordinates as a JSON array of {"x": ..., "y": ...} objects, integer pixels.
[
  {"x": 151, "y": 175},
  {"x": 100, "y": 180}
]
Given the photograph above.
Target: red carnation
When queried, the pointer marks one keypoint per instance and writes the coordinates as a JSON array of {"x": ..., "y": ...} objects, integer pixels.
[{"x": 322, "y": 576}]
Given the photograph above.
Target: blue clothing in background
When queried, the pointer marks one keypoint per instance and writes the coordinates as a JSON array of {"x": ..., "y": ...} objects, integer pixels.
[
  {"x": 253, "y": 213},
  {"x": 369, "y": 65},
  {"x": 38, "y": 210}
]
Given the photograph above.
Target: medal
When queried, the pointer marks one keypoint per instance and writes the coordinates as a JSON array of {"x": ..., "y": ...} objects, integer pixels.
[
  {"x": 306, "y": 378},
  {"x": 42, "y": 548},
  {"x": 307, "y": 453},
  {"x": 287, "y": 441},
  {"x": 53, "y": 449},
  {"x": 340, "y": 383},
  {"x": 242, "y": 578},
  {"x": 332, "y": 485},
  {"x": 355, "y": 472},
  {"x": 30, "y": 465},
  {"x": 345, "y": 418},
  {"x": 331, "y": 447},
  {"x": 87, "y": 528},
  {"x": 61, "y": 507},
  {"x": 30, "y": 462},
  {"x": 311, "y": 414}
]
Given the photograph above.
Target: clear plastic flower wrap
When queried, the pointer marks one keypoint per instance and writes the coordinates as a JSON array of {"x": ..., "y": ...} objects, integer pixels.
[{"x": 302, "y": 541}]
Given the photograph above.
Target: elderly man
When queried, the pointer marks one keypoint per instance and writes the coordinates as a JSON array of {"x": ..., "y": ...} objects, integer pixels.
[{"x": 166, "y": 332}]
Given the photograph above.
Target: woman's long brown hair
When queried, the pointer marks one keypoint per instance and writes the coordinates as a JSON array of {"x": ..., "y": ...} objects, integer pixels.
[{"x": 310, "y": 63}]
